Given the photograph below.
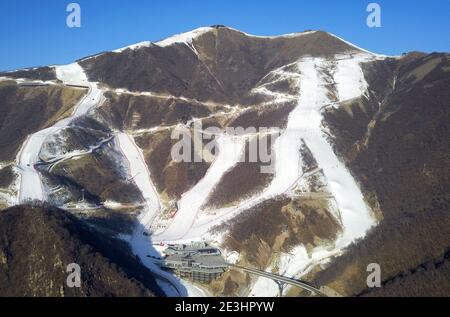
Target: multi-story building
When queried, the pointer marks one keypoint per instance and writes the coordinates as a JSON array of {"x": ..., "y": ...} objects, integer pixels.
[{"x": 198, "y": 262}]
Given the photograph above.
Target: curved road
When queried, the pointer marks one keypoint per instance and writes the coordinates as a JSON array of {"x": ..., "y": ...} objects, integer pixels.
[{"x": 282, "y": 279}]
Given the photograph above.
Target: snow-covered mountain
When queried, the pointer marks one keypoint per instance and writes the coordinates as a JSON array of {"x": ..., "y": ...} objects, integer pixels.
[{"x": 334, "y": 117}]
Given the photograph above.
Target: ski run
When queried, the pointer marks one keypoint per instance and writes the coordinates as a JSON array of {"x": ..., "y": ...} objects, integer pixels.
[
  {"x": 305, "y": 126},
  {"x": 31, "y": 186},
  {"x": 306, "y": 119}
]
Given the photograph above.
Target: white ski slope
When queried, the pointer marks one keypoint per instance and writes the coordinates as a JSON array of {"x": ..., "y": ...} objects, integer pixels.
[
  {"x": 141, "y": 244},
  {"x": 230, "y": 151},
  {"x": 355, "y": 216},
  {"x": 139, "y": 173},
  {"x": 31, "y": 187},
  {"x": 349, "y": 76},
  {"x": 71, "y": 74},
  {"x": 307, "y": 118}
]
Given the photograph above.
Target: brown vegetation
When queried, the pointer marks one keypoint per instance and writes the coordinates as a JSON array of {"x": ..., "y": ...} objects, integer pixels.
[
  {"x": 37, "y": 245},
  {"x": 40, "y": 73},
  {"x": 265, "y": 117},
  {"x": 173, "y": 178},
  {"x": 403, "y": 162},
  {"x": 6, "y": 176},
  {"x": 100, "y": 176},
  {"x": 143, "y": 112},
  {"x": 225, "y": 66},
  {"x": 279, "y": 225},
  {"x": 244, "y": 179},
  {"x": 25, "y": 110}
]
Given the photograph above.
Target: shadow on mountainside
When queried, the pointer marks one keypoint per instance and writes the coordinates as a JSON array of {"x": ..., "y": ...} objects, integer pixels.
[
  {"x": 142, "y": 246},
  {"x": 37, "y": 243}
]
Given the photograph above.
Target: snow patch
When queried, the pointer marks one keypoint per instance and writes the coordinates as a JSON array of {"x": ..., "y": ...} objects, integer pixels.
[
  {"x": 186, "y": 38},
  {"x": 232, "y": 257},
  {"x": 289, "y": 35},
  {"x": 349, "y": 76},
  {"x": 71, "y": 74},
  {"x": 134, "y": 46}
]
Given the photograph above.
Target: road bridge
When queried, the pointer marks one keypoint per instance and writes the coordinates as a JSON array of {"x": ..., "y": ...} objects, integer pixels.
[{"x": 282, "y": 280}]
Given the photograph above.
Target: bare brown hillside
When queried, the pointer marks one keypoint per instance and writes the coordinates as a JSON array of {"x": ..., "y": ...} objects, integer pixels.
[
  {"x": 25, "y": 110},
  {"x": 37, "y": 244},
  {"x": 401, "y": 157}
]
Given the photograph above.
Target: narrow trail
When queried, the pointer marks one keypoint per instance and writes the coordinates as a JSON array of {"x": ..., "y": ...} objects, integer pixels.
[{"x": 31, "y": 186}]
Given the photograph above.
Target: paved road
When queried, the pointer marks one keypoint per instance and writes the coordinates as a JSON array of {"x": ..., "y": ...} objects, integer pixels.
[{"x": 282, "y": 279}]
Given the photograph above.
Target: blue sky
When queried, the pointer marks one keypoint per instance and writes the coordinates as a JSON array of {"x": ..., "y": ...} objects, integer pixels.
[{"x": 34, "y": 33}]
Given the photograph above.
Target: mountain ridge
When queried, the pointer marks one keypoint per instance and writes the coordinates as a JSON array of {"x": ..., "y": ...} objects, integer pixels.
[
  {"x": 329, "y": 99},
  {"x": 204, "y": 29}
]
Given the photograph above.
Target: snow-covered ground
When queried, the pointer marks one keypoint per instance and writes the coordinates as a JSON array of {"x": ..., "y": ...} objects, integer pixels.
[
  {"x": 349, "y": 76},
  {"x": 171, "y": 285},
  {"x": 355, "y": 215},
  {"x": 230, "y": 151},
  {"x": 304, "y": 126},
  {"x": 71, "y": 74},
  {"x": 141, "y": 243},
  {"x": 139, "y": 173},
  {"x": 186, "y": 38},
  {"x": 31, "y": 187}
]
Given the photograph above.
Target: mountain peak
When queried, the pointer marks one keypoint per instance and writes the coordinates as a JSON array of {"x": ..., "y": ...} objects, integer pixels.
[
  {"x": 186, "y": 37},
  {"x": 190, "y": 36}
]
